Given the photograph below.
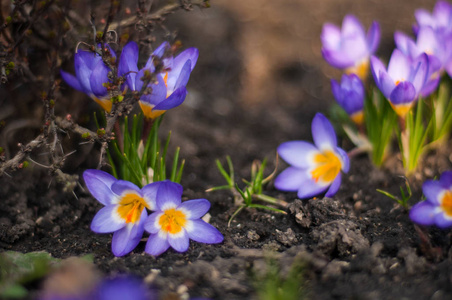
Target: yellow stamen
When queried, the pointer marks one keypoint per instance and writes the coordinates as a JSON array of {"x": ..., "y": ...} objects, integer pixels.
[
  {"x": 446, "y": 203},
  {"x": 360, "y": 69},
  {"x": 165, "y": 78},
  {"x": 357, "y": 117},
  {"x": 106, "y": 104},
  {"x": 149, "y": 112},
  {"x": 172, "y": 221},
  {"x": 130, "y": 207},
  {"x": 328, "y": 165}
]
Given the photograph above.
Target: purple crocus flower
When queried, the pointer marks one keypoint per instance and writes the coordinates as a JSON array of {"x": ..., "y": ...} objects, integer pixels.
[
  {"x": 91, "y": 74},
  {"x": 350, "y": 96},
  {"x": 437, "y": 209},
  {"x": 173, "y": 223},
  {"x": 314, "y": 168},
  {"x": 125, "y": 208},
  {"x": 402, "y": 82},
  {"x": 440, "y": 20},
  {"x": 350, "y": 47},
  {"x": 169, "y": 91},
  {"x": 438, "y": 54}
]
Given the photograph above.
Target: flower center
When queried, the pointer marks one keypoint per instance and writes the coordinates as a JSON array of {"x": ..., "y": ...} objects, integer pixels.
[
  {"x": 446, "y": 203},
  {"x": 172, "y": 221},
  {"x": 328, "y": 165},
  {"x": 360, "y": 69},
  {"x": 130, "y": 207}
]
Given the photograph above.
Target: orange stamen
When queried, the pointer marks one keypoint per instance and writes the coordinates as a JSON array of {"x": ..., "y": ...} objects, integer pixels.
[{"x": 130, "y": 207}]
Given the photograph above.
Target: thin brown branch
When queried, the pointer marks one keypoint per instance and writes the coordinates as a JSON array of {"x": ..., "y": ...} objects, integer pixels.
[
  {"x": 159, "y": 14},
  {"x": 14, "y": 162}
]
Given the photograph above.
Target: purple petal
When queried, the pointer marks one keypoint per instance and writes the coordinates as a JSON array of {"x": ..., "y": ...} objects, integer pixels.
[
  {"x": 119, "y": 288},
  {"x": 90, "y": 59},
  {"x": 179, "y": 241},
  {"x": 423, "y": 213},
  {"x": 107, "y": 220},
  {"x": 386, "y": 84},
  {"x": 323, "y": 132},
  {"x": 424, "y": 18},
  {"x": 351, "y": 26},
  {"x": 336, "y": 89},
  {"x": 122, "y": 186},
  {"x": 430, "y": 86},
  {"x": 376, "y": 66},
  {"x": 345, "y": 160},
  {"x": 399, "y": 66},
  {"x": 194, "y": 209},
  {"x": 297, "y": 153},
  {"x": 174, "y": 100},
  {"x": 158, "y": 52},
  {"x": 330, "y": 37},
  {"x": 183, "y": 77},
  {"x": 98, "y": 77},
  {"x": 442, "y": 12},
  {"x": 291, "y": 179},
  {"x": 403, "y": 93},
  {"x": 128, "y": 63},
  {"x": 432, "y": 190},
  {"x": 190, "y": 54},
  {"x": 442, "y": 220},
  {"x": 310, "y": 188},
  {"x": 72, "y": 81},
  {"x": 355, "y": 47},
  {"x": 426, "y": 39},
  {"x": 157, "y": 244},
  {"x": 401, "y": 40},
  {"x": 151, "y": 224},
  {"x": 334, "y": 186},
  {"x": 169, "y": 195},
  {"x": 337, "y": 59},
  {"x": 420, "y": 72},
  {"x": 183, "y": 65},
  {"x": 350, "y": 94},
  {"x": 373, "y": 37},
  {"x": 126, "y": 239},
  {"x": 149, "y": 193},
  {"x": 446, "y": 180},
  {"x": 202, "y": 232},
  {"x": 158, "y": 93},
  {"x": 83, "y": 72},
  {"x": 99, "y": 185}
]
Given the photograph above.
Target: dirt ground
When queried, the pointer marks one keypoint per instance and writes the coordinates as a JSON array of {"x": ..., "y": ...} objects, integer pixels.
[{"x": 259, "y": 81}]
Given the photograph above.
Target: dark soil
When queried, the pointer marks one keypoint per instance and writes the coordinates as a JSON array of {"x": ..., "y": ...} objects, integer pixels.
[{"x": 358, "y": 245}]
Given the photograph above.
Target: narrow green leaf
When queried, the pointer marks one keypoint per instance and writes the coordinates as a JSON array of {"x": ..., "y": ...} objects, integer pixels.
[
  {"x": 268, "y": 208},
  {"x": 179, "y": 174},
  {"x": 223, "y": 172},
  {"x": 175, "y": 163}
]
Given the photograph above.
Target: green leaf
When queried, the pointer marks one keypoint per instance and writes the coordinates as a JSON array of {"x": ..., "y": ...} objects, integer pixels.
[{"x": 13, "y": 291}]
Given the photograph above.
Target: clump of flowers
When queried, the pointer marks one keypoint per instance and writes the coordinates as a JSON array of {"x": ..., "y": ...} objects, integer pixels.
[
  {"x": 437, "y": 208},
  {"x": 314, "y": 168},
  {"x": 350, "y": 47},
  {"x": 406, "y": 103},
  {"x": 125, "y": 214}
]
